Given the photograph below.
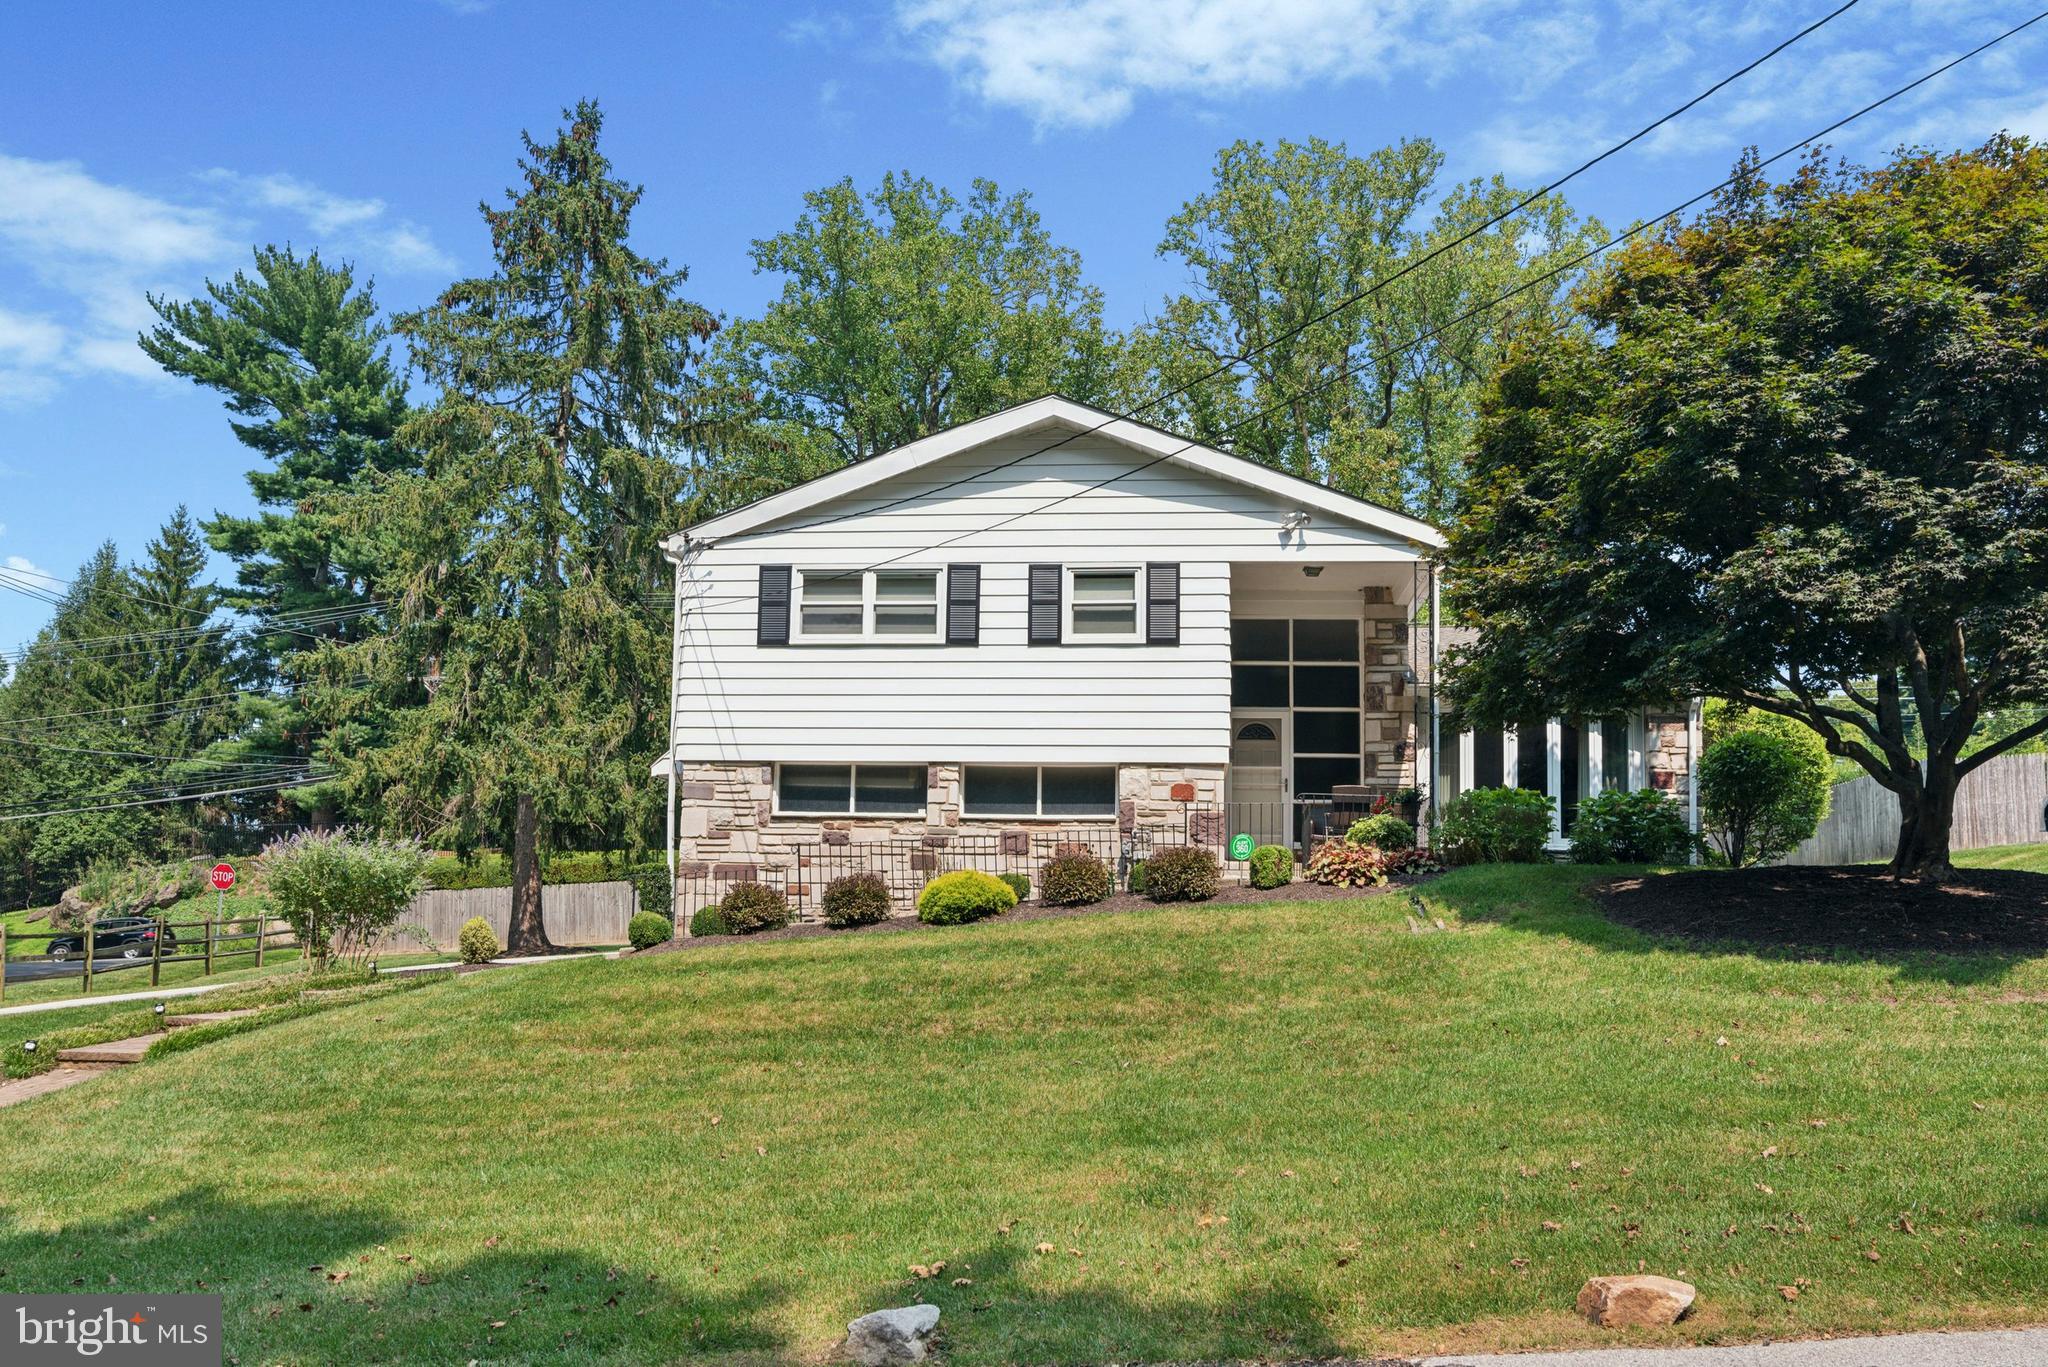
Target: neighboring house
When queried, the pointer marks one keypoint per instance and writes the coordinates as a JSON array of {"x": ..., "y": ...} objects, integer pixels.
[{"x": 1052, "y": 624}]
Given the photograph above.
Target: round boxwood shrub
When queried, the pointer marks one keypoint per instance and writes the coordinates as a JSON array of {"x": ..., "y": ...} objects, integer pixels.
[
  {"x": 1272, "y": 866},
  {"x": 952, "y": 899},
  {"x": 1761, "y": 794},
  {"x": 1137, "y": 877},
  {"x": 858, "y": 899},
  {"x": 1019, "y": 883},
  {"x": 709, "y": 921},
  {"x": 1073, "y": 878},
  {"x": 750, "y": 907},
  {"x": 476, "y": 942},
  {"x": 648, "y": 929},
  {"x": 1383, "y": 830},
  {"x": 1182, "y": 873}
]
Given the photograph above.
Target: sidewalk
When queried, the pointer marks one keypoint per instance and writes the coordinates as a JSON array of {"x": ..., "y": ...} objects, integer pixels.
[{"x": 1976, "y": 1348}]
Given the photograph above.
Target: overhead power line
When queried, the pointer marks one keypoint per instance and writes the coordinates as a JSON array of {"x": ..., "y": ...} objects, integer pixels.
[
  {"x": 1228, "y": 363},
  {"x": 160, "y": 801},
  {"x": 1584, "y": 257}
]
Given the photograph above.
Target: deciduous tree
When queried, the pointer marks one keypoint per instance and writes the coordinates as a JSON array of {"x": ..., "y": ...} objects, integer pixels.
[{"x": 1790, "y": 454}]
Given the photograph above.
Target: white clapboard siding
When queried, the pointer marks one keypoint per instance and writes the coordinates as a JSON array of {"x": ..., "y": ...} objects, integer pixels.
[{"x": 1003, "y": 700}]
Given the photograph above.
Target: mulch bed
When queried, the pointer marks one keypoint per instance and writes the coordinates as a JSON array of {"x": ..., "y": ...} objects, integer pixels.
[
  {"x": 1032, "y": 911},
  {"x": 1981, "y": 911}
]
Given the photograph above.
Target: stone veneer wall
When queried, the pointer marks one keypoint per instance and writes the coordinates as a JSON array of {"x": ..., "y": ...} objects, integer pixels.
[
  {"x": 1664, "y": 751},
  {"x": 727, "y": 829},
  {"x": 1388, "y": 718}
]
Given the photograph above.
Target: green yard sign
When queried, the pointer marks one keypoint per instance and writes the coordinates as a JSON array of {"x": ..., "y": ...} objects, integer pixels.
[{"x": 1241, "y": 846}]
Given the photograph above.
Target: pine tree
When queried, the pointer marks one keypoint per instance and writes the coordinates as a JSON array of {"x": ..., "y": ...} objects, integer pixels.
[
  {"x": 302, "y": 359},
  {"x": 529, "y": 630}
]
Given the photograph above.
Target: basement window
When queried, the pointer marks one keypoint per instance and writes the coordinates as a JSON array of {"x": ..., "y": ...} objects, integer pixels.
[
  {"x": 1049, "y": 790},
  {"x": 849, "y": 789}
]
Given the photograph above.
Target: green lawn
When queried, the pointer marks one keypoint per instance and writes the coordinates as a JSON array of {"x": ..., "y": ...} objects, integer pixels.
[
  {"x": 2031, "y": 858},
  {"x": 1244, "y": 1132}
]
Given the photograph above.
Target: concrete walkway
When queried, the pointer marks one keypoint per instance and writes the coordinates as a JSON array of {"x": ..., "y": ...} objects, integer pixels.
[
  {"x": 18, "y": 1089},
  {"x": 166, "y": 993},
  {"x": 1976, "y": 1348}
]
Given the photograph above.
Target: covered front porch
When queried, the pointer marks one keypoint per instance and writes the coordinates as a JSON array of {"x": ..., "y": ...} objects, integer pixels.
[{"x": 1328, "y": 697}]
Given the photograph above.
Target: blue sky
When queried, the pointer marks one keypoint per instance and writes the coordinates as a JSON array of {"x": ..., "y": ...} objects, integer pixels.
[{"x": 146, "y": 147}]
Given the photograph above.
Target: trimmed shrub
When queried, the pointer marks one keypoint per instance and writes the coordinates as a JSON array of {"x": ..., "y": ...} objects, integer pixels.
[
  {"x": 648, "y": 929},
  {"x": 709, "y": 921},
  {"x": 1383, "y": 830},
  {"x": 1074, "y": 878},
  {"x": 1643, "y": 827},
  {"x": 651, "y": 884},
  {"x": 1760, "y": 795},
  {"x": 1272, "y": 866},
  {"x": 476, "y": 942},
  {"x": 1496, "y": 826},
  {"x": 858, "y": 899},
  {"x": 1138, "y": 876},
  {"x": 1019, "y": 883},
  {"x": 752, "y": 907},
  {"x": 955, "y": 898},
  {"x": 1341, "y": 864},
  {"x": 1182, "y": 873}
]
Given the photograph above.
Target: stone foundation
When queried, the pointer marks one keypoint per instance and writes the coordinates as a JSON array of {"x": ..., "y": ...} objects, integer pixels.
[{"x": 727, "y": 830}]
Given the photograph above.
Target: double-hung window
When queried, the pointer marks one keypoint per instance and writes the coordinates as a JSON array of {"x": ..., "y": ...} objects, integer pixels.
[
  {"x": 1102, "y": 605},
  {"x": 895, "y": 605},
  {"x": 850, "y": 789}
]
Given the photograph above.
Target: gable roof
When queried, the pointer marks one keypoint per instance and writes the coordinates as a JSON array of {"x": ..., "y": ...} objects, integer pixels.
[{"x": 1083, "y": 419}]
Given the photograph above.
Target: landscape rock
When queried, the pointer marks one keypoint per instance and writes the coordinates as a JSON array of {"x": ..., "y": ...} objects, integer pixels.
[
  {"x": 167, "y": 895},
  {"x": 1636, "y": 1300},
  {"x": 891, "y": 1336}
]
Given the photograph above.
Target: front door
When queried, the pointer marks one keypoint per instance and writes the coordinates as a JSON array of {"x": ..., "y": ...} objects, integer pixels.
[{"x": 1255, "y": 788}]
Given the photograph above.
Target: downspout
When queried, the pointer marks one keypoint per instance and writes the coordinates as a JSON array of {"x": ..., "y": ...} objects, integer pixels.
[
  {"x": 1436, "y": 716},
  {"x": 675, "y": 655},
  {"x": 1692, "y": 773}
]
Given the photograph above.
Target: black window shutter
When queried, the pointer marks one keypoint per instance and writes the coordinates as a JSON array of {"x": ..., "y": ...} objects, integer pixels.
[
  {"x": 1045, "y": 605},
  {"x": 773, "y": 628},
  {"x": 1162, "y": 605},
  {"x": 963, "y": 605}
]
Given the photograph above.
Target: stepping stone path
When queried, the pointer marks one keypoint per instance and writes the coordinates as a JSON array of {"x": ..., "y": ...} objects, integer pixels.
[{"x": 76, "y": 1064}]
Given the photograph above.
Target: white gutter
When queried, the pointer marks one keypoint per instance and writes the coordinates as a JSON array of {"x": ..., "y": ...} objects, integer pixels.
[
  {"x": 675, "y": 654},
  {"x": 1436, "y": 713}
]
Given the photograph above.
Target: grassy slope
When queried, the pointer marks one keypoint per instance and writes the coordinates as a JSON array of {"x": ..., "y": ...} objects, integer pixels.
[
  {"x": 1245, "y": 1132},
  {"x": 2031, "y": 858}
]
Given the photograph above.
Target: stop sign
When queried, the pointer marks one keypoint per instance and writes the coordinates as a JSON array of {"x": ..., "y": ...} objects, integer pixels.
[{"x": 223, "y": 876}]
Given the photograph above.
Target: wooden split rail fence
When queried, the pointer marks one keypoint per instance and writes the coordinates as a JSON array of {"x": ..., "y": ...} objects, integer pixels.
[{"x": 218, "y": 940}]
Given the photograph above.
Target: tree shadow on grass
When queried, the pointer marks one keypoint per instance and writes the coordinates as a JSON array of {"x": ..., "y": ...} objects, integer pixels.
[
  {"x": 1007, "y": 1314},
  {"x": 1805, "y": 915},
  {"x": 301, "y": 1282}
]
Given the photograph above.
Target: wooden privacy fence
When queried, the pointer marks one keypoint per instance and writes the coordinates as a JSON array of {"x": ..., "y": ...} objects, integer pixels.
[
  {"x": 574, "y": 913},
  {"x": 1999, "y": 804}
]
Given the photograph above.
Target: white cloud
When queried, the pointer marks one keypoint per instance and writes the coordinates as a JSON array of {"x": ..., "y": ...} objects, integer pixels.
[
  {"x": 88, "y": 251},
  {"x": 21, "y": 564},
  {"x": 359, "y": 227},
  {"x": 1083, "y": 63}
]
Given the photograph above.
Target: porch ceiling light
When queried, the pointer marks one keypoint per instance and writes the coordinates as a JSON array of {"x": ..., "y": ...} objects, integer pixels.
[{"x": 1312, "y": 571}]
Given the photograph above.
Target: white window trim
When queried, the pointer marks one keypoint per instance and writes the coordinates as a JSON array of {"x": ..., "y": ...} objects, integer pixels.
[
  {"x": 1038, "y": 802},
  {"x": 867, "y": 635},
  {"x": 1068, "y": 636},
  {"x": 852, "y": 787}
]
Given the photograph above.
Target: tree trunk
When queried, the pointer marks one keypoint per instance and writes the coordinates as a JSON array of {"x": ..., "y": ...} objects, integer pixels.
[
  {"x": 1922, "y": 851},
  {"x": 527, "y": 933}
]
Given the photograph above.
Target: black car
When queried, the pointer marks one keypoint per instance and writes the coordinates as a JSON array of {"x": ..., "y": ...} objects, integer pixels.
[{"x": 119, "y": 937}]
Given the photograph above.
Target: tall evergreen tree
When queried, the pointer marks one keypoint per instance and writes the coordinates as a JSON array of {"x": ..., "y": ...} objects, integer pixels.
[
  {"x": 529, "y": 629},
  {"x": 120, "y": 702},
  {"x": 299, "y": 354}
]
